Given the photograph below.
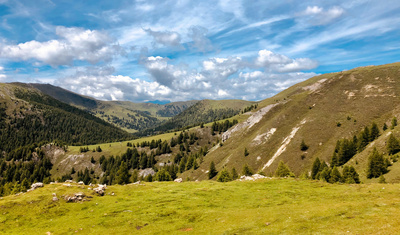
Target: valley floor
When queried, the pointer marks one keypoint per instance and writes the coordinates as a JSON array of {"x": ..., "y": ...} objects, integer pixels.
[{"x": 267, "y": 206}]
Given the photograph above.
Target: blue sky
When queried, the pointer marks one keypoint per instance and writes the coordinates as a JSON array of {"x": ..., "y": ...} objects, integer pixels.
[{"x": 182, "y": 50}]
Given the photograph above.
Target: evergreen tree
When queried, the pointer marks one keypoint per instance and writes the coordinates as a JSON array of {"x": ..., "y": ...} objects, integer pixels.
[
  {"x": 325, "y": 174},
  {"x": 385, "y": 127},
  {"x": 394, "y": 122},
  {"x": 123, "y": 174},
  {"x": 350, "y": 176},
  {"x": 92, "y": 160},
  {"x": 135, "y": 176},
  {"x": 374, "y": 132},
  {"x": 392, "y": 145},
  {"x": 247, "y": 171},
  {"x": 303, "y": 146},
  {"x": 235, "y": 175},
  {"x": 376, "y": 165},
  {"x": 315, "y": 168},
  {"x": 382, "y": 179},
  {"x": 162, "y": 175},
  {"x": 224, "y": 176},
  {"x": 246, "y": 152},
  {"x": 212, "y": 172},
  {"x": 283, "y": 170},
  {"x": 98, "y": 149},
  {"x": 335, "y": 176}
]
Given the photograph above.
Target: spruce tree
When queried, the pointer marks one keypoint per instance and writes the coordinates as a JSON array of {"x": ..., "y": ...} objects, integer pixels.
[
  {"x": 224, "y": 176},
  {"x": 162, "y": 175},
  {"x": 212, "y": 172},
  {"x": 283, "y": 170},
  {"x": 234, "y": 174},
  {"x": 394, "y": 122},
  {"x": 123, "y": 174},
  {"x": 376, "y": 165},
  {"x": 385, "y": 127},
  {"x": 374, "y": 132},
  {"x": 335, "y": 176},
  {"x": 392, "y": 145},
  {"x": 247, "y": 171},
  {"x": 303, "y": 146},
  {"x": 350, "y": 176},
  {"x": 315, "y": 168},
  {"x": 246, "y": 152}
]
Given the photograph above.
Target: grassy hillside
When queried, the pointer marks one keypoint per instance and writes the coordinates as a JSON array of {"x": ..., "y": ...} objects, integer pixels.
[
  {"x": 203, "y": 111},
  {"x": 131, "y": 117},
  {"x": 29, "y": 116},
  {"x": 320, "y": 111},
  {"x": 269, "y": 206}
]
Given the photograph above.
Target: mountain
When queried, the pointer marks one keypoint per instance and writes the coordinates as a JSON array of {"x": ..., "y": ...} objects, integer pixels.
[
  {"x": 129, "y": 116},
  {"x": 319, "y": 111},
  {"x": 29, "y": 116},
  {"x": 149, "y": 118},
  {"x": 203, "y": 111}
]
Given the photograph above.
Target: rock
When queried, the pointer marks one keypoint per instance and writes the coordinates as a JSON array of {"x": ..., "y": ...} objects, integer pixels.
[
  {"x": 178, "y": 180},
  {"x": 54, "y": 194},
  {"x": 36, "y": 185},
  {"x": 55, "y": 199},
  {"x": 81, "y": 183},
  {"x": 100, "y": 189},
  {"x": 68, "y": 185}
]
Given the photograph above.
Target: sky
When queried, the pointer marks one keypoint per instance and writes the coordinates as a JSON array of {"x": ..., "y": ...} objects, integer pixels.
[{"x": 189, "y": 50}]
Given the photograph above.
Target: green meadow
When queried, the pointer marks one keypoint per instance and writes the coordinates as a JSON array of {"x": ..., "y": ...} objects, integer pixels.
[{"x": 267, "y": 206}]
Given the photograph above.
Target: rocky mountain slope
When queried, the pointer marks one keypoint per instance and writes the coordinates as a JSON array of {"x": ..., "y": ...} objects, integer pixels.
[{"x": 319, "y": 111}]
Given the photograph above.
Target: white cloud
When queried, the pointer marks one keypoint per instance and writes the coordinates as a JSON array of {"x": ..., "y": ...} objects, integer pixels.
[
  {"x": 200, "y": 41},
  {"x": 74, "y": 44},
  {"x": 3, "y": 77},
  {"x": 282, "y": 63},
  {"x": 319, "y": 16},
  {"x": 165, "y": 38}
]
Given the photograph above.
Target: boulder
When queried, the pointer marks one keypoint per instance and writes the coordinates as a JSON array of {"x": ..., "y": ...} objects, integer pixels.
[{"x": 179, "y": 180}]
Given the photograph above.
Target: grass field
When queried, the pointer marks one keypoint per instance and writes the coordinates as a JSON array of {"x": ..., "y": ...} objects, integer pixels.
[{"x": 268, "y": 206}]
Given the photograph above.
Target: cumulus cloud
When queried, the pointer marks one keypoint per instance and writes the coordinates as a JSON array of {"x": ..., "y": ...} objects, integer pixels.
[
  {"x": 3, "y": 77},
  {"x": 98, "y": 82},
  {"x": 73, "y": 44},
  {"x": 318, "y": 16},
  {"x": 200, "y": 41},
  {"x": 252, "y": 78},
  {"x": 165, "y": 38},
  {"x": 281, "y": 63}
]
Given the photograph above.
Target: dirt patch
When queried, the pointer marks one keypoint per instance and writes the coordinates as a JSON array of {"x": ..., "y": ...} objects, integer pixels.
[
  {"x": 250, "y": 122},
  {"x": 263, "y": 137},
  {"x": 315, "y": 86},
  {"x": 285, "y": 143}
]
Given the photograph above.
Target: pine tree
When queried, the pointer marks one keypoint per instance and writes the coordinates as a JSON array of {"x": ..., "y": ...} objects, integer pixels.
[
  {"x": 350, "y": 176},
  {"x": 374, "y": 132},
  {"x": 224, "y": 176},
  {"x": 303, "y": 146},
  {"x": 315, "y": 168},
  {"x": 392, "y": 145},
  {"x": 135, "y": 176},
  {"x": 212, "y": 172},
  {"x": 92, "y": 160},
  {"x": 335, "y": 176},
  {"x": 394, "y": 122},
  {"x": 162, "y": 175},
  {"x": 376, "y": 165},
  {"x": 247, "y": 171},
  {"x": 123, "y": 174},
  {"x": 325, "y": 174},
  {"x": 385, "y": 127},
  {"x": 382, "y": 179},
  {"x": 235, "y": 175},
  {"x": 283, "y": 170},
  {"x": 246, "y": 152}
]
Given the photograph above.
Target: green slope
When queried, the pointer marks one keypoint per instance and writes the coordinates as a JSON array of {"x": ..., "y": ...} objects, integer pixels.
[
  {"x": 203, "y": 111},
  {"x": 29, "y": 116},
  {"x": 270, "y": 206},
  {"x": 311, "y": 111}
]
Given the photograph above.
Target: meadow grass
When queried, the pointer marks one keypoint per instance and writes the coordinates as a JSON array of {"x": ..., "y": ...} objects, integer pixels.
[{"x": 268, "y": 206}]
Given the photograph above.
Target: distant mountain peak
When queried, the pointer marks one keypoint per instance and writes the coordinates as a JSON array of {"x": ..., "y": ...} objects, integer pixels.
[{"x": 162, "y": 102}]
